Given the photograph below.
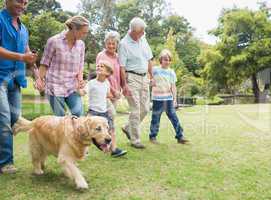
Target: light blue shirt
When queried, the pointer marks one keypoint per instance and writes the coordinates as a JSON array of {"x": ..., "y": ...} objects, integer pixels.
[{"x": 134, "y": 55}]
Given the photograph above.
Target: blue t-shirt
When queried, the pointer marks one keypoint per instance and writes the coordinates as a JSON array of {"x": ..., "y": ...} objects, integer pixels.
[{"x": 13, "y": 40}]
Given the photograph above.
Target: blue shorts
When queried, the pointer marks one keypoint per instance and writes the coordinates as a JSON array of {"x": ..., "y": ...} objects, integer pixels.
[{"x": 105, "y": 115}]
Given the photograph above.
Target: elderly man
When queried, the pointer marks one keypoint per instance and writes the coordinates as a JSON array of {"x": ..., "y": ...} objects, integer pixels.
[
  {"x": 135, "y": 60},
  {"x": 14, "y": 52}
]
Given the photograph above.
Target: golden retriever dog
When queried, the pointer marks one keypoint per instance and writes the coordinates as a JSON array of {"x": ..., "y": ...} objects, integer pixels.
[{"x": 67, "y": 138}]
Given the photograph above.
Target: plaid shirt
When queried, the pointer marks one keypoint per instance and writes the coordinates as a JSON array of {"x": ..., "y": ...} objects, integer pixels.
[{"x": 64, "y": 65}]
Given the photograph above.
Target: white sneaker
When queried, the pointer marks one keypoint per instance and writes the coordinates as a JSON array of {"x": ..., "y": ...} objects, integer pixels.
[{"x": 8, "y": 169}]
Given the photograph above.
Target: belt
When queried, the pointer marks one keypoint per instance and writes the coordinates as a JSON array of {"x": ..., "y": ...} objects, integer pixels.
[{"x": 136, "y": 73}]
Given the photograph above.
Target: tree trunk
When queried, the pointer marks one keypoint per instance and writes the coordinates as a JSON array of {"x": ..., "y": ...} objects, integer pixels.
[{"x": 255, "y": 88}]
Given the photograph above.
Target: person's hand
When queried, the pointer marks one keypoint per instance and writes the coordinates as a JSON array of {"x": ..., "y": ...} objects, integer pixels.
[
  {"x": 40, "y": 84},
  {"x": 152, "y": 82},
  {"x": 175, "y": 104},
  {"x": 117, "y": 95},
  {"x": 126, "y": 91},
  {"x": 29, "y": 57},
  {"x": 81, "y": 84}
]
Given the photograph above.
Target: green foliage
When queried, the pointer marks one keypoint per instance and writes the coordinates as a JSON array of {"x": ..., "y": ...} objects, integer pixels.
[
  {"x": 244, "y": 49},
  {"x": 1, "y": 4},
  {"x": 41, "y": 28},
  {"x": 36, "y": 7},
  {"x": 215, "y": 100}
]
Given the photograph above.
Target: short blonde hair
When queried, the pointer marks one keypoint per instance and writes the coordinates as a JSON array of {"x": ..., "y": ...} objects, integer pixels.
[
  {"x": 114, "y": 35},
  {"x": 165, "y": 53},
  {"x": 108, "y": 65},
  {"x": 76, "y": 22}
]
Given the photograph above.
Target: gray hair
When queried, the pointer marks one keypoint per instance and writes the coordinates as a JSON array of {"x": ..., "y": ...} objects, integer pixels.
[
  {"x": 76, "y": 22},
  {"x": 137, "y": 24},
  {"x": 114, "y": 35}
]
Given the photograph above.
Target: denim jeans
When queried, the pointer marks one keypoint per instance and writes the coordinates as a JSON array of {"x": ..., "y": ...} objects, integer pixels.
[
  {"x": 73, "y": 102},
  {"x": 10, "y": 108},
  {"x": 157, "y": 109}
]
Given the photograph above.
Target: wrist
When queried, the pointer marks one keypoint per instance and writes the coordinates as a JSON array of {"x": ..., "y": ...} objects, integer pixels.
[{"x": 21, "y": 57}]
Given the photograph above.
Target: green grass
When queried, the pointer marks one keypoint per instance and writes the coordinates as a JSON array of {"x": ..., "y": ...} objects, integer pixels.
[{"x": 228, "y": 158}]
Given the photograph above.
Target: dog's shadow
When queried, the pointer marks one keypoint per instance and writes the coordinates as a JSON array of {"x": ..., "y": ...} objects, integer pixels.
[{"x": 56, "y": 180}]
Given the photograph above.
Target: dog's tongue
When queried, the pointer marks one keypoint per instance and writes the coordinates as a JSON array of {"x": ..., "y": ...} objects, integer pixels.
[{"x": 105, "y": 147}]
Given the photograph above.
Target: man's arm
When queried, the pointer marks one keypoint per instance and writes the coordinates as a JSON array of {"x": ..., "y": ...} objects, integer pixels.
[
  {"x": 150, "y": 64},
  {"x": 28, "y": 57},
  {"x": 125, "y": 89}
]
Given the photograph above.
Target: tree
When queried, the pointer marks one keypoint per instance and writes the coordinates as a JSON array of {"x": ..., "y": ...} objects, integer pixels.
[
  {"x": 41, "y": 28},
  {"x": 36, "y": 7},
  {"x": 244, "y": 45},
  {"x": 1, "y": 4},
  {"x": 187, "y": 46}
]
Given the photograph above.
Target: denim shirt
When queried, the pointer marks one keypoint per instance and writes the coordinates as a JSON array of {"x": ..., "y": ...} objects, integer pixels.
[{"x": 12, "y": 71}]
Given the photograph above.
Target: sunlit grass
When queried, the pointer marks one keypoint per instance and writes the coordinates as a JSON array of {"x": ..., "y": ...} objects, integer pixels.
[{"x": 228, "y": 158}]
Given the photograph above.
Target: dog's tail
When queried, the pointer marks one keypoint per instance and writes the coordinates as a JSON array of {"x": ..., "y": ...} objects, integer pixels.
[{"x": 22, "y": 125}]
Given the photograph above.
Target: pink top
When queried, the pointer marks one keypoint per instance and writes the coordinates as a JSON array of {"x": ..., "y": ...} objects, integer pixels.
[
  {"x": 64, "y": 65},
  {"x": 114, "y": 79}
]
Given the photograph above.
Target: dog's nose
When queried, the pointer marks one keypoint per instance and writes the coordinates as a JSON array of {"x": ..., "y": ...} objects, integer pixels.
[{"x": 107, "y": 141}]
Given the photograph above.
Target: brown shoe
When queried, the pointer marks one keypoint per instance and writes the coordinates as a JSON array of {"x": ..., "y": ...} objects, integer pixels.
[
  {"x": 182, "y": 141},
  {"x": 126, "y": 133},
  {"x": 8, "y": 169},
  {"x": 154, "y": 141},
  {"x": 138, "y": 145}
]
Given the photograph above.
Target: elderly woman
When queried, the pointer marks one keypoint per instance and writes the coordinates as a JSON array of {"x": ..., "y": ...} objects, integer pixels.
[
  {"x": 110, "y": 55},
  {"x": 61, "y": 69}
]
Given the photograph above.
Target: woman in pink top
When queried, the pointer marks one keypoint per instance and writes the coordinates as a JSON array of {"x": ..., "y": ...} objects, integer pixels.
[{"x": 61, "y": 69}]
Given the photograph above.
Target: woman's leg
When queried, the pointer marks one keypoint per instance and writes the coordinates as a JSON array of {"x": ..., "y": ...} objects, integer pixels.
[
  {"x": 74, "y": 102},
  {"x": 57, "y": 104}
]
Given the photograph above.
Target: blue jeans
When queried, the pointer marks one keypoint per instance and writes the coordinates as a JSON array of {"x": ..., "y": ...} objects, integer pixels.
[
  {"x": 157, "y": 109},
  {"x": 10, "y": 108},
  {"x": 73, "y": 102}
]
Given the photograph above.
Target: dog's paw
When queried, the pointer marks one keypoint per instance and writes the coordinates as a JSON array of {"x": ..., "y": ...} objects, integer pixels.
[
  {"x": 82, "y": 185},
  {"x": 38, "y": 172}
]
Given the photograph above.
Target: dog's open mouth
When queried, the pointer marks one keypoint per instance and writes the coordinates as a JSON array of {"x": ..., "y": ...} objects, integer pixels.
[{"x": 105, "y": 147}]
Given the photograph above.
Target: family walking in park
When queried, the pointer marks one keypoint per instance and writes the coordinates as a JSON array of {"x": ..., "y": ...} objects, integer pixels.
[{"x": 124, "y": 67}]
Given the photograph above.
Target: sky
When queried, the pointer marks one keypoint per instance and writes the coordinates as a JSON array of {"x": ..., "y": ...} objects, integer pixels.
[{"x": 201, "y": 14}]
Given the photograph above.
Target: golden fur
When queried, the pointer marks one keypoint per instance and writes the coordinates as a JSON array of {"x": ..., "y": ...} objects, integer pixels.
[{"x": 67, "y": 138}]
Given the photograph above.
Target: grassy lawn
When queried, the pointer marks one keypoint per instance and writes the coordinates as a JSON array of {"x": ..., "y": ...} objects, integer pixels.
[{"x": 228, "y": 158}]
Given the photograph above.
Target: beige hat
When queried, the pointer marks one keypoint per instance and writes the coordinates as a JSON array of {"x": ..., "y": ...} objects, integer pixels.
[{"x": 108, "y": 65}]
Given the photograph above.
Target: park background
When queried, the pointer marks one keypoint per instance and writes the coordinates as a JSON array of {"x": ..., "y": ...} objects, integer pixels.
[{"x": 224, "y": 99}]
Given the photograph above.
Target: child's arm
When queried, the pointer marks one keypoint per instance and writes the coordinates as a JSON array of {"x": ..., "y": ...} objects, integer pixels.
[
  {"x": 109, "y": 95},
  {"x": 174, "y": 93}
]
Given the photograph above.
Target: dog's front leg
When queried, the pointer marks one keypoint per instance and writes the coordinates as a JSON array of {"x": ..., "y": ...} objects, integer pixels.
[{"x": 72, "y": 172}]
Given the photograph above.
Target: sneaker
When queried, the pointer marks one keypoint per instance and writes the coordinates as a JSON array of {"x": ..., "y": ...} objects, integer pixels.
[
  {"x": 118, "y": 152},
  {"x": 154, "y": 140},
  {"x": 182, "y": 141},
  {"x": 126, "y": 133},
  {"x": 8, "y": 169},
  {"x": 138, "y": 145}
]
